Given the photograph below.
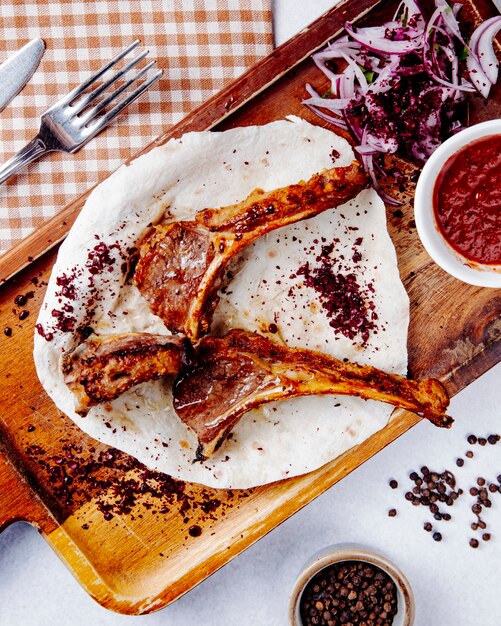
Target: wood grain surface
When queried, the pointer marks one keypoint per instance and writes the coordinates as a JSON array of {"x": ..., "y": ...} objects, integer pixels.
[{"x": 136, "y": 539}]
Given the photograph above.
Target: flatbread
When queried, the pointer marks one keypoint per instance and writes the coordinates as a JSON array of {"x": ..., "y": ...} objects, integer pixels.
[{"x": 186, "y": 175}]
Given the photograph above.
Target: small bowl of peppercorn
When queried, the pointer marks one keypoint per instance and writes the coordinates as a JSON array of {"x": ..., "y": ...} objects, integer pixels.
[{"x": 349, "y": 584}]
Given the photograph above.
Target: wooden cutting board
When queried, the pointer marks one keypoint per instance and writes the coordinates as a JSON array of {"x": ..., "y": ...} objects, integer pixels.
[{"x": 135, "y": 539}]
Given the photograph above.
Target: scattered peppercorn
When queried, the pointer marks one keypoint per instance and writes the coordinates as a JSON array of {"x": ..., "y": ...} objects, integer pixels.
[
  {"x": 23, "y": 314},
  {"x": 474, "y": 543},
  {"x": 7, "y": 331},
  {"x": 392, "y": 512},
  {"x": 20, "y": 300},
  {"x": 432, "y": 488},
  {"x": 393, "y": 484}
]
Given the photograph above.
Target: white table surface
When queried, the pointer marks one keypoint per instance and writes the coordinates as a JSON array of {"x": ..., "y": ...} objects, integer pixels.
[{"x": 454, "y": 585}]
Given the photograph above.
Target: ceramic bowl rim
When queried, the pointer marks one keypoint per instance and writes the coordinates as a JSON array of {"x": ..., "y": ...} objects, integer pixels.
[
  {"x": 433, "y": 241},
  {"x": 352, "y": 552}
]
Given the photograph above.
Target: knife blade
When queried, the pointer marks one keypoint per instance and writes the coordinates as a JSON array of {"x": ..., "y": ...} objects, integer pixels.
[{"x": 18, "y": 69}]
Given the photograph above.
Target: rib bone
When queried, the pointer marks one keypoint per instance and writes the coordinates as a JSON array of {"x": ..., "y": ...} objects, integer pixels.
[
  {"x": 101, "y": 369},
  {"x": 182, "y": 264},
  {"x": 242, "y": 370}
]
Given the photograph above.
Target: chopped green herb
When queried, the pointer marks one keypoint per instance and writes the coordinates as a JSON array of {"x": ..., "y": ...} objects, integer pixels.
[
  {"x": 369, "y": 76},
  {"x": 327, "y": 94}
]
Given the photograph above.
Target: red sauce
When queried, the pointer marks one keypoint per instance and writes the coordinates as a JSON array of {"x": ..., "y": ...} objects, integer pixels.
[{"x": 467, "y": 200}]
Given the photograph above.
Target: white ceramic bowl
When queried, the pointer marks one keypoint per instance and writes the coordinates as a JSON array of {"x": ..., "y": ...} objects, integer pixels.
[
  {"x": 353, "y": 552},
  {"x": 436, "y": 246}
]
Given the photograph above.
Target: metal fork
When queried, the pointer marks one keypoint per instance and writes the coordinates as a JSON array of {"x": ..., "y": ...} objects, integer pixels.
[{"x": 66, "y": 127}]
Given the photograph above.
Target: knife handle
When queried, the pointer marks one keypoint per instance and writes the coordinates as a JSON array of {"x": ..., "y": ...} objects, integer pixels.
[{"x": 31, "y": 151}]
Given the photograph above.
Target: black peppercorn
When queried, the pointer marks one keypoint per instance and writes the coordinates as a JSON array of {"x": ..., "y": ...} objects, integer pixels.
[{"x": 350, "y": 592}]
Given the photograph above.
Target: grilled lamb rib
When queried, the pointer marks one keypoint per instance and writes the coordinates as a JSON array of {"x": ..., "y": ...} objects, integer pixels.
[
  {"x": 101, "y": 369},
  {"x": 242, "y": 370},
  {"x": 182, "y": 264}
]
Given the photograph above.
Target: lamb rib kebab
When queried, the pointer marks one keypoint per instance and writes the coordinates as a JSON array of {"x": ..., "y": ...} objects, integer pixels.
[
  {"x": 101, "y": 369},
  {"x": 242, "y": 370},
  {"x": 182, "y": 264}
]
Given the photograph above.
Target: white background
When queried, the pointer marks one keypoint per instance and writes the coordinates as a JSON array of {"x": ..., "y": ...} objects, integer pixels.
[{"x": 454, "y": 585}]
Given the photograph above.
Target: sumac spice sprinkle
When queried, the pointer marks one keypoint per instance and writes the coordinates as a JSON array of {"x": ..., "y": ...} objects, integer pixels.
[
  {"x": 348, "y": 305},
  {"x": 119, "y": 485},
  {"x": 99, "y": 259},
  {"x": 350, "y": 592},
  {"x": 48, "y": 336}
]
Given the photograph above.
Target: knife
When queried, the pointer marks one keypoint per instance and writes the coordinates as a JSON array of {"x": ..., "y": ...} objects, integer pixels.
[{"x": 18, "y": 69}]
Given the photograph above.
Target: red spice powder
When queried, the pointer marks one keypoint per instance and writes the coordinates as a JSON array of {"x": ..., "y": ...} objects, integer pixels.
[{"x": 348, "y": 305}]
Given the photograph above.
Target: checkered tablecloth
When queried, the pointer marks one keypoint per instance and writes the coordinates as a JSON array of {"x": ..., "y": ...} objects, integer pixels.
[{"x": 200, "y": 45}]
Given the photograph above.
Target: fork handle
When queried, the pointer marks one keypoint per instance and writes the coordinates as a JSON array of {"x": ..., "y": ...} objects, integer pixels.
[{"x": 31, "y": 151}]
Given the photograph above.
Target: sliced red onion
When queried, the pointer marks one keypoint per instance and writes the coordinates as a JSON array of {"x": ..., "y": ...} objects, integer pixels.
[
  {"x": 337, "y": 121},
  {"x": 376, "y": 63},
  {"x": 380, "y": 44},
  {"x": 383, "y": 82},
  {"x": 346, "y": 83},
  {"x": 430, "y": 63},
  {"x": 359, "y": 75},
  {"x": 477, "y": 75},
  {"x": 449, "y": 18},
  {"x": 333, "y": 104},
  {"x": 409, "y": 9},
  {"x": 481, "y": 44}
]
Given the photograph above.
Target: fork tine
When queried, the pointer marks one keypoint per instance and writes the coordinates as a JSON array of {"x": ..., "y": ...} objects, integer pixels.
[
  {"x": 92, "y": 79},
  {"x": 87, "y": 99},
  {"x": 103, "y": 121},
  {"x": 91, "y": 113}
]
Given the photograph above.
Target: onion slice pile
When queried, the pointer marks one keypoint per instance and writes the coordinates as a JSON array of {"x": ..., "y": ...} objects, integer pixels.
[{"x": 405, "y": 82}]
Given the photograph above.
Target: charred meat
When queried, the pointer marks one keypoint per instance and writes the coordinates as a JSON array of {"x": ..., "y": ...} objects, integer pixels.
[
  {"x": 182, "y": 264},
  {"x": 242, "y": 370},
  {"x": 103, "y": 368}
]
